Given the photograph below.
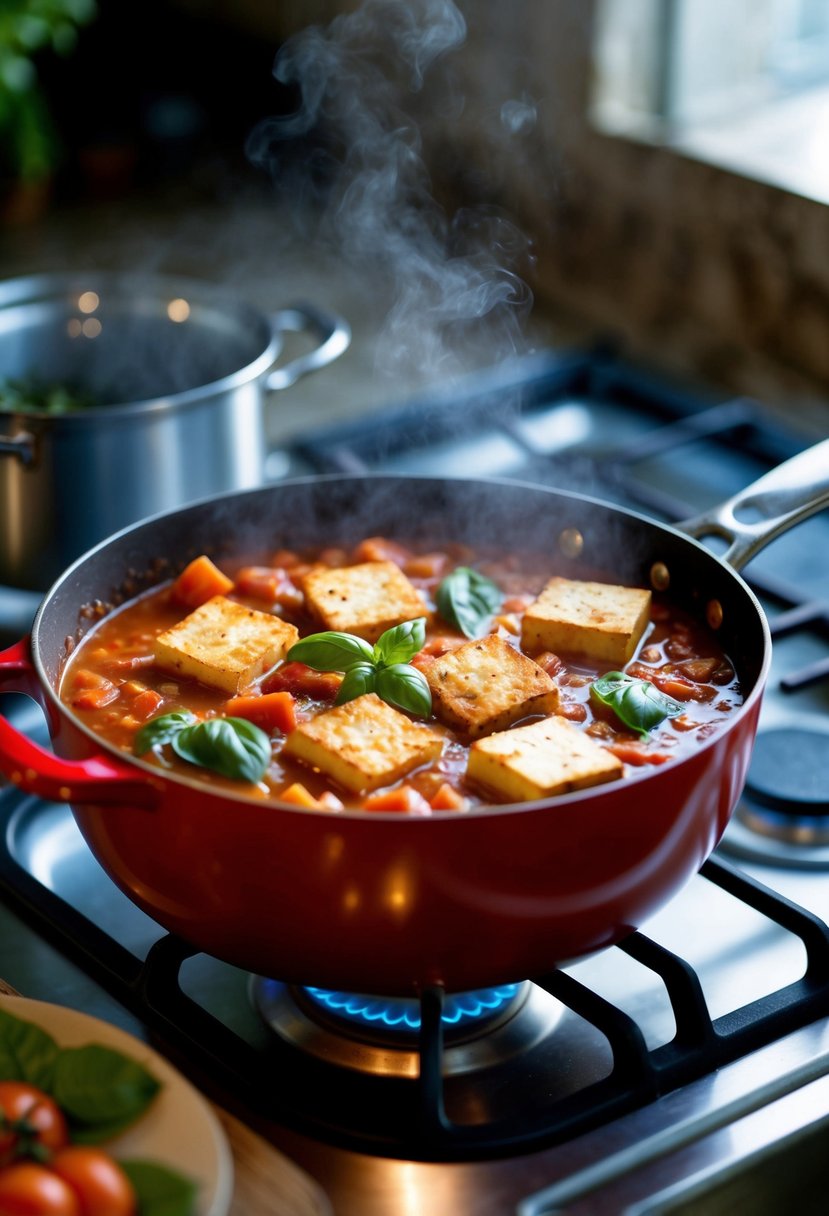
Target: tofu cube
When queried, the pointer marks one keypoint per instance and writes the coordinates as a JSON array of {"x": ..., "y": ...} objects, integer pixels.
[
  {"x": 486, "y": 685},
  {"x": 224, "y": 644},
  {"x": 363, "y": 744},
  {"x": 539, "y": 760},
  {"x": 365, "y": 600},
  {"x": 601, "y": 620}
]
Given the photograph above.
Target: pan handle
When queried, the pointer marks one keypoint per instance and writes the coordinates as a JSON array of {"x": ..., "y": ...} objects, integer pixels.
[
  {"x": 32, "y": 768},
  {"x": 334, "y": 336},
  {"x": 777, "y": 501}
]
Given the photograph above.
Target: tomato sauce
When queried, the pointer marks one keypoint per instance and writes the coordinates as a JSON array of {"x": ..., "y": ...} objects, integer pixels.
[{"x": 114, "y": 685}]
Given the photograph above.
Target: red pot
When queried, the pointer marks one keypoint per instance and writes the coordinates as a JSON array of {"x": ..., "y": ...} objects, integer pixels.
[{"x": 384, "y": 902}]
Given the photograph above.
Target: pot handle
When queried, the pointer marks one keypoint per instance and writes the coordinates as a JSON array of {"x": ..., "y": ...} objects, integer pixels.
[
  {"x": 334, "y": 336},
  {"x": 21, "y": 445},
  {"x": 780, "y": 499},
  {"x": 97, "y": 779}
]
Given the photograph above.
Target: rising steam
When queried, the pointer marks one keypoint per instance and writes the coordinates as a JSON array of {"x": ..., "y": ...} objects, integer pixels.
[{"x": 349, "y": 159}]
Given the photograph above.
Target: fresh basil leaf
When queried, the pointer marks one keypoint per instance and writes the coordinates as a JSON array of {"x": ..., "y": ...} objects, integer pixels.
[
  {"x": 358, "y": 679},
  {"x": 161, "y": 730},
  {"x": 98, "y": 1087},
  {"x": 330, "y": 651},
  {"x": 405, "y": 687},
  {"x": 160, "y": 1191},
  {"x": 397, "y": 645},
  {"x": 466, "y": 599},
  {"x": 27, "y": 1053},
  {"x": 233, "y": 747},
  {"x": 639, "y": 704}
]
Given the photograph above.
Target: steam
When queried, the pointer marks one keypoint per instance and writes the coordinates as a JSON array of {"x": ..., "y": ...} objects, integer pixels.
[{"x": 349, "y": 160}]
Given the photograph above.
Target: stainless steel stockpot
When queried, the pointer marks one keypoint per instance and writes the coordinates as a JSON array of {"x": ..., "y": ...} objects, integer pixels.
[{"x": 178, "y": 370}]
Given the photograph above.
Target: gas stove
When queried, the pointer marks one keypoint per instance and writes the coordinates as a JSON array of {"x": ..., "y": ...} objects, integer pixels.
[{"x": 671, "y": 1073}]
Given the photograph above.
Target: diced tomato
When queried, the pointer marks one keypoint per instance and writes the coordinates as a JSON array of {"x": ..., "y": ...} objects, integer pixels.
[
  {"x": 273, "y": 711},
  {"x": 379, "y": 549},
  {"x": 404, "y": 798},
  {"x": 573, "y": 711},
  {"x": 298, "y": 795},
  {"x": 682, "y": 689},
  {"x": 551, "y": 663},
  {"x": 303, "y": 681},
  {"x": 699, "y": 671},
  {"x": 84, "y": 678},
  {"x": 637, "y": 754},
  {"x": 447, "y": 798},
  {"x": 271, "y": 584},
  {"x": 199, "y": 582}
]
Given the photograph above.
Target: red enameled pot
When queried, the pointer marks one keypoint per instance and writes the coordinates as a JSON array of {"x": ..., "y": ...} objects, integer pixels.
[{"x": 385, "y": 902}]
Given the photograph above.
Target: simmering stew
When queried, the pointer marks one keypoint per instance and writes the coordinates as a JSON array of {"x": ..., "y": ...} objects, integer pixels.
[{"x": 390, "y": 678}]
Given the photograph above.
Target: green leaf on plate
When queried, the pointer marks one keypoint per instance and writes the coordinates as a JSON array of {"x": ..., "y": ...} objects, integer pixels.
[
  {"x": 160, "y": 1191},
  {"x": 27, "y": 1053},
  {"x": 100, "y": 1088}
]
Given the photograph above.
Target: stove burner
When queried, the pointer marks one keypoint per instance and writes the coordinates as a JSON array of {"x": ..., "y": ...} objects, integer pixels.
[
  {"x": 460, "y": 1011},
  {"x": 784, "y": 814},
  {"x": 379, "y": 1035}
]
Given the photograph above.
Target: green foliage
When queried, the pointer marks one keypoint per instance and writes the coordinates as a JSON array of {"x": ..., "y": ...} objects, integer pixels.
[{"x": 29, "y": 29}]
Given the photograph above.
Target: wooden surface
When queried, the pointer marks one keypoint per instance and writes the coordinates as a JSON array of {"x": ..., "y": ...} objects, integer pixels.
[{"x": 266, "y": 1183}]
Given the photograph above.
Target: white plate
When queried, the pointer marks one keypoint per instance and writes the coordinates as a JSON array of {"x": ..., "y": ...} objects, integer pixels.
[{"x": 178, "y": 1130}]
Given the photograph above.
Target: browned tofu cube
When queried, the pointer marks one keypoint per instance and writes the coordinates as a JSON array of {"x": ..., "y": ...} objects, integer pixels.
[
  {"x": 363, "y": 744},
  {"x": 486, "y": 685},
  {"x": 539, "y": 760},
  {"x": 365, "y": 600},
  {"x": 224, "y": 644},
  {"x": 597, "y": 619}
]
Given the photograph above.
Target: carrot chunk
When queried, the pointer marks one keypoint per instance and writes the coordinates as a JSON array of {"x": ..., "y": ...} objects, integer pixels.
[
  {"x": 272, "y": 711},
  {"x": 146, "y": 704},
  {"x": 447, "y": 798},
  {"x": 303, "y": 681},
  {"x": 404, "y": 798},
  {"x": 298, "y": 795},
  {"x": 96, "y": 698},
  {"x": 199, "y": 582}
]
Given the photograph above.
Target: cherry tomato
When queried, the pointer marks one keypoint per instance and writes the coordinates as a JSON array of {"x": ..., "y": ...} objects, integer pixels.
[
  {"x": 29, "y": 1189},
  {"x": 28, "y": 1117},
  {"x": 102, "y": 1187}
]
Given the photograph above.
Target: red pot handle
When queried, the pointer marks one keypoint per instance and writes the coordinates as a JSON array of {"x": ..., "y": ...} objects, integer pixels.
[{"x": 32, "y": 768}]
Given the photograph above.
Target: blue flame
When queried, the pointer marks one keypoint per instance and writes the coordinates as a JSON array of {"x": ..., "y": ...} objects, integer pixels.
[{"x": 403, "y": 1013}]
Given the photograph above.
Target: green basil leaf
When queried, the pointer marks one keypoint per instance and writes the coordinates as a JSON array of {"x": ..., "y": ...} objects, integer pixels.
[
  {"x": 101, "y": 1089},
  {"x": 466, "y": 599},
  {"x": 27, "y": 1053},
  {"x": 330, "y": 651},
  {"x": 397, "y": 645},
  {"x": 161, "y": 730},
  {"x": 358, "y": 679},
  {"x": 160, "y": 1191},
  {"x": 639, "y": 704},
  {"x": 405, "y": 687},
  {"x": 233, "y": 747}
]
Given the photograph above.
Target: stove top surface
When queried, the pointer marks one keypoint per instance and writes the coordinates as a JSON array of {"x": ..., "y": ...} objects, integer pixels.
[{"x": 650, "y": 1067}]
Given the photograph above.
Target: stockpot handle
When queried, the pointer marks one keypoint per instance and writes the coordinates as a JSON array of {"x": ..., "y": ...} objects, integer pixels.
[
  {"x": 21, "y": 445},
  {"x": 334, "y": 336},
  {"x": 35, "y": 769},
  {"x": 781, "y": 498}
]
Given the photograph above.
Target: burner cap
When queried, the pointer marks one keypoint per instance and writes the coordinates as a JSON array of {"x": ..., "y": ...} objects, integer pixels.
[{"x": 789, "y": 771}]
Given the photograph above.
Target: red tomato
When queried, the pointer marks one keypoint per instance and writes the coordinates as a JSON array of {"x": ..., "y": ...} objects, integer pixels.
[
  {"x": 28, "y": 1189},
  {"x": 29, "y": 1117},
  {"x": 101, "y": 1186}
]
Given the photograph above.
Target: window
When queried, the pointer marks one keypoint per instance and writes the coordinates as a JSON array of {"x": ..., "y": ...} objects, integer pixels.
[{"x": 743, "y": 83}]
